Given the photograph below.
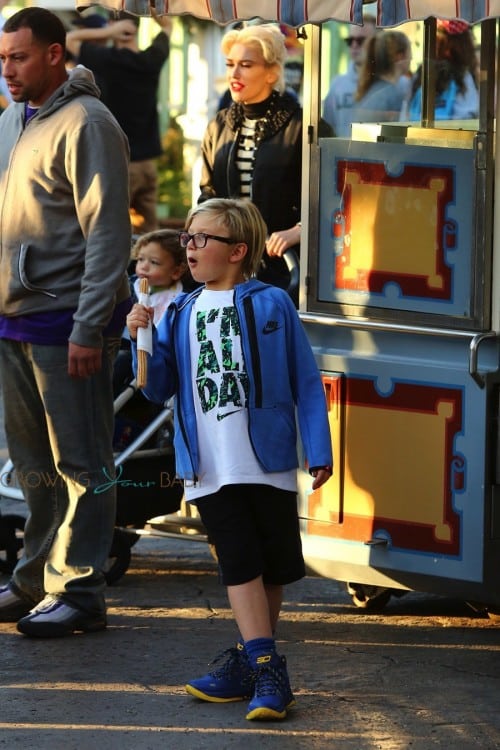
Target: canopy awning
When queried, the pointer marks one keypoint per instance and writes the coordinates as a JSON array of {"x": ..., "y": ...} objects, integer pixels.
[{"x": 293, "y": 13}]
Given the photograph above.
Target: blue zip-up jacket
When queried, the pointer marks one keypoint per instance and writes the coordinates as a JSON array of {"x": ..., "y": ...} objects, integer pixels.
[{"x": 284, "y": 380}]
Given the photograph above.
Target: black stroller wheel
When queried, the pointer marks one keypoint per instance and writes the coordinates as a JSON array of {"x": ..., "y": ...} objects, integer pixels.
[
  {"x": 11, "y": 541},
  {"x": 119, "y": 555}
]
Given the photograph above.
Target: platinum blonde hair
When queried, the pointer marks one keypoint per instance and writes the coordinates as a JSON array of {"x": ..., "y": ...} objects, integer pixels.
[
  {"x": 268, "y": 40},
  {"x": 244, "y": 223}
]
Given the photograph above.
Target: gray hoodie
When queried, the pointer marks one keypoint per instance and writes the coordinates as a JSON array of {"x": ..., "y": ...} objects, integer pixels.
[{"x": 64, "y": 220}]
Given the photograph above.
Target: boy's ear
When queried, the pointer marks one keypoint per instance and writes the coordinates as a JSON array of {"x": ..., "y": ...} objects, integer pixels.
[{"x": 238, "y": 252}]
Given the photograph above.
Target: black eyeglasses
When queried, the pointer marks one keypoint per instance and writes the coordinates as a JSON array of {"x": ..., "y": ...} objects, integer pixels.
[
  {"x": 350, "y": 40},
  {"x": 199, "y": 239}
]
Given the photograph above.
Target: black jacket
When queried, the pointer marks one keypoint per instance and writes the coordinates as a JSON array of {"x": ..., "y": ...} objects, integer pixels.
[
  {"x": 129, "y": 87},
  {"x": 276, "y": 182}
]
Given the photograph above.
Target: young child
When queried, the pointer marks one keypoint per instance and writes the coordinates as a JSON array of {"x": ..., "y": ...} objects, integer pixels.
[
  {"x": 162, "y": 261},
  {"x": 236, "y": 355}
]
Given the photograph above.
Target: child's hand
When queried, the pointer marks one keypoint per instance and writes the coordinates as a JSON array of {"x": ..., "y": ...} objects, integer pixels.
[
  {"x": 138, "y": 317},
  {"x": 320, "y": 477}
]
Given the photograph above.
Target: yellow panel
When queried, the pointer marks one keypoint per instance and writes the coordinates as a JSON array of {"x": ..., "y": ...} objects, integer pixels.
[{"x": 380, "y": 216}]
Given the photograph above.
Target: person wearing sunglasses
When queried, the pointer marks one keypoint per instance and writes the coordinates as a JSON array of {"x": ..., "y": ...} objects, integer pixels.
[{"x": 337, "y": 105}]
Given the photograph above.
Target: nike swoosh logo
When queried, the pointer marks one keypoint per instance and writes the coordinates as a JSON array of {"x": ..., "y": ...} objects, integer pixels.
[
  {"x": 270, "y": 327},
  {"x": 220, "y": 417}
]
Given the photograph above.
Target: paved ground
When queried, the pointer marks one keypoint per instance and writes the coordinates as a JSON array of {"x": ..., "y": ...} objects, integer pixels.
[{"x": 424, "y": 674}]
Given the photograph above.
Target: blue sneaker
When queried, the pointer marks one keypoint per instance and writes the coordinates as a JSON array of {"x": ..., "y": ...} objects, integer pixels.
[
  {"x": 273, "y": 695},
  {"x": 232, "y": 681}
]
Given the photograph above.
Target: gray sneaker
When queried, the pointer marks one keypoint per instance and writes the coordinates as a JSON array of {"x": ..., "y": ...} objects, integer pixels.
[
  {"x": 54, "y": 618},
  {"x": 12, "y": 604}
]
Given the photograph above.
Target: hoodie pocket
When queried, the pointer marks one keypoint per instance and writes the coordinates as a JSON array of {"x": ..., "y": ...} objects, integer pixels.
[
  {"x": 21, "y": 265},
  {"x": 273, "y": 434}
]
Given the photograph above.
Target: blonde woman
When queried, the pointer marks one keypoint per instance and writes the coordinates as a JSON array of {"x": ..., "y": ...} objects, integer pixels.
[{"x": 253, "y": 148}]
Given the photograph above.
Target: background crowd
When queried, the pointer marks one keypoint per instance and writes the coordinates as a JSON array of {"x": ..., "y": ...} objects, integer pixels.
[{"x": 379, "y": 84}]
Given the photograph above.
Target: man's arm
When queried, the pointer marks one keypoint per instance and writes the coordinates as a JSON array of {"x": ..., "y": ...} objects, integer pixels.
[
  {"x": 98, "y": 157},
  {"x": 165, "y": 22},
  {"x": 122, "y": 30}
]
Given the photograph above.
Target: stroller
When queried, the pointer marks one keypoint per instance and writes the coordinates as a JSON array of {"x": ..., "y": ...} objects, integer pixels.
[
  {"x": 148, "y": 493},
  {"x": 149, "y": 496}
]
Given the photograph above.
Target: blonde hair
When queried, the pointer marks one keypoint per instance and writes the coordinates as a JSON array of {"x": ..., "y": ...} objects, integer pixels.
[
  {"x": 269, "y": 41},
  {"x": 244, "y": 223}
]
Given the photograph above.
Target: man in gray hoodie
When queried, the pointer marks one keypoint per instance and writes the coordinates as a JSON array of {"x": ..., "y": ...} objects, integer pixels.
[{"x": 64, "y": 249}]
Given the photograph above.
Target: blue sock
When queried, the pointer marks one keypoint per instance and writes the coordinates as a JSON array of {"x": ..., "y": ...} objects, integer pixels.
[
  {"x": 240, "y": 644},
  {"x": 260, "y": 651}
]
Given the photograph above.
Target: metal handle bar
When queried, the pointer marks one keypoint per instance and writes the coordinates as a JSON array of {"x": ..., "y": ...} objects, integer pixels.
[
  {"x": 475, "y": 338},
  {"x": 292, "y": 263},
  {"x": 473, "y": 352}
]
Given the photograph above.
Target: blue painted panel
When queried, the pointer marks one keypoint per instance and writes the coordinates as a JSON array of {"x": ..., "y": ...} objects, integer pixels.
[{"x": 411, "y": 440}]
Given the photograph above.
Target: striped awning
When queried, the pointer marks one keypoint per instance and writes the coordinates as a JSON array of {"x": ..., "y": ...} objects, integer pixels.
[{"x": 299, "y": 12}]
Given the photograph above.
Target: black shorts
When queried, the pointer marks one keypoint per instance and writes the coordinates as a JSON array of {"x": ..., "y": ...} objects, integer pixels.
[{"x": 255, "y": 531}]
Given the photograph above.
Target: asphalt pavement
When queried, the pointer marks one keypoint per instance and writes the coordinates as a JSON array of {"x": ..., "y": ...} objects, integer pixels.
[{"x": 424, "y": 673}]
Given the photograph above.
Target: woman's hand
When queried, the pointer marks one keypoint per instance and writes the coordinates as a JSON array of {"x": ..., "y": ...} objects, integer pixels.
[
  {"x": 279, "y": 242},
  {"x": 138, "y": 317}
]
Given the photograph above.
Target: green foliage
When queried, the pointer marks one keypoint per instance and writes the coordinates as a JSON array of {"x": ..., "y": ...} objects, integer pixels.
[{"x": 174, "y": 190}]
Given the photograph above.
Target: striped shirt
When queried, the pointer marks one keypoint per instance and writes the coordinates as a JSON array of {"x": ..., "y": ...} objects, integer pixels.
[{"x": 245, "y": 155}]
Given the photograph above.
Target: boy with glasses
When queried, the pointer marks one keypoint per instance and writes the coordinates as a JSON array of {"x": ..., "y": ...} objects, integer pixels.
[{"x": 237, "y": 358}]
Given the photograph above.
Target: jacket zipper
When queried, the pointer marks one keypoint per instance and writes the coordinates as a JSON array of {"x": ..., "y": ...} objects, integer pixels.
[
  {"x": 180, "y": 420},
  {"x": 254, "y": 349}
]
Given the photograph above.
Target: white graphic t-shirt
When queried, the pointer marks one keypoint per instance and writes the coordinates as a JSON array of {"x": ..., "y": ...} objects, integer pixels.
[{"x": 220, "y": 391}]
